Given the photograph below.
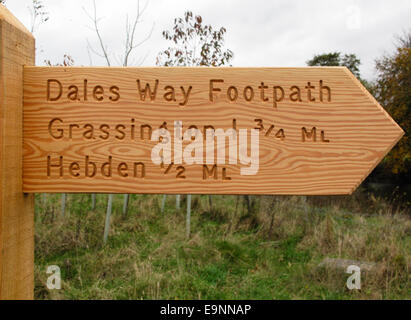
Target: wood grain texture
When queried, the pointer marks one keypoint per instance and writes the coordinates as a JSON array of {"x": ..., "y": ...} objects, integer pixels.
[
  {"x": 16, "y": 209},
  {"x": 353, "y": 132}
]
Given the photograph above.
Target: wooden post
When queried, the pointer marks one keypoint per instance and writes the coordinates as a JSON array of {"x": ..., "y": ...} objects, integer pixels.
[
  {"x": 63, "y": 204},
  {"x": 178, "y": 199},
  {"x": 125, "y": 204},
  {"x": 163, "y": 203},
  {"x": 188, "y": 217},
  {"x": 93, "y": 201},
  {"x": 108, "y": 216},
  {"x": 16, "y": 209}
]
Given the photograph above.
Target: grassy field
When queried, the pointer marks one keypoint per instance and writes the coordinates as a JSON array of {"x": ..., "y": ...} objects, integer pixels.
[{"x": 271, "y": 251}]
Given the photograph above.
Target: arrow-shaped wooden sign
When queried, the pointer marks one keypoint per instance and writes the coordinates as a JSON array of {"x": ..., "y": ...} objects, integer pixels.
[
  {"x": 201, "y": 130},
  {"x": 172, "y": 130}
]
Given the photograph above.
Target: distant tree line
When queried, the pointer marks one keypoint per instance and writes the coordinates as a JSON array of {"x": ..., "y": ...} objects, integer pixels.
[{"x": 392, "y": 89}]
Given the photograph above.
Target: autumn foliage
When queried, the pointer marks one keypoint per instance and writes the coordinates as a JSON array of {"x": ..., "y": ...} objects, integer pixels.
[
  {"x": 194, "y": 44},
  {"x": 393, "y": 91}
]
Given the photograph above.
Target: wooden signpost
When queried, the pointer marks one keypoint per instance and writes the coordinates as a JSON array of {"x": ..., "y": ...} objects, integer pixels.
[
  {"x": 95, "y": 130},
  {"x": 16, "y": 208},
  {"x": 307, "y": 131}
]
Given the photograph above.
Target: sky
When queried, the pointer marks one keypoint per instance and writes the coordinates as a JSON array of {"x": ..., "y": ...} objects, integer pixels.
[{"x": 261, "y": 33}]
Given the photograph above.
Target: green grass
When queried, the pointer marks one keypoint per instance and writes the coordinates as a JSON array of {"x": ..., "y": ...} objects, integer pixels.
[{"x": 270, "y": 253}]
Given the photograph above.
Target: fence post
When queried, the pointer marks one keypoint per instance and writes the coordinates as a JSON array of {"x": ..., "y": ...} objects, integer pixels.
[
  {"x": 125, "y": 204},
  {"x": 163, "y": 203},
  {"x": 178, "y": 198},
  {"x": 93, "y": 201},
  {"x": 16, "y": 209},
  {"x": 188, "y": 217},
  {"x": 63, "y": 204},
  {"x": 108, "y": 216}
]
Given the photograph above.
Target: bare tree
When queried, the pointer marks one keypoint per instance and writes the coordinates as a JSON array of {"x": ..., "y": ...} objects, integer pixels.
[
  {"x": 131, "y": 43},
  {"x": 38, "y": 14},
  {"x": 194, "y": 44}
]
